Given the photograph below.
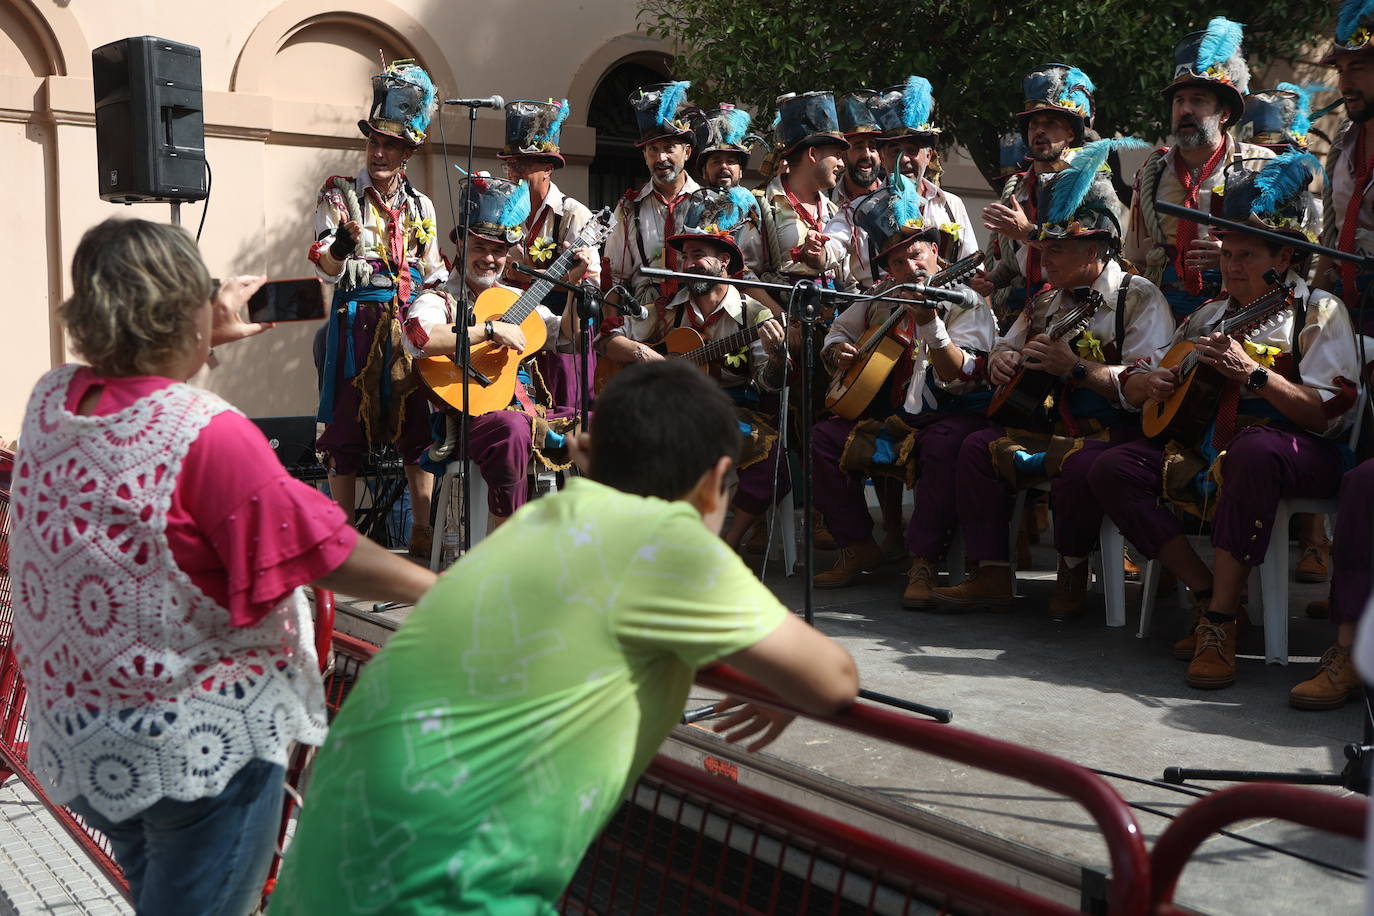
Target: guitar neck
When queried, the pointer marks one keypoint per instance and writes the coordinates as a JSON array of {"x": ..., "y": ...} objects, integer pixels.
[
  {"x": 1258, "y": 311},
  {"x": 592, "y": 234},
  {"x": 714, "y": 350}
]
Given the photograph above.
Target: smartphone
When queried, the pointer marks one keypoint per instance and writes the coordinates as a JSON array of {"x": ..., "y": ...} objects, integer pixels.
[{"x": 288, "y": 300}]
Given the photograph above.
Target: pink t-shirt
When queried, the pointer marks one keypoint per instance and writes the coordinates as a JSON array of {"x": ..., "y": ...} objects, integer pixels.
[{"x": 243, "y": 530}]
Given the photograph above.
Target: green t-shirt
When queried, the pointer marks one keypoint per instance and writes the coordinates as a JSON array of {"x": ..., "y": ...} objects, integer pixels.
[{"x": 484, "y": 748}]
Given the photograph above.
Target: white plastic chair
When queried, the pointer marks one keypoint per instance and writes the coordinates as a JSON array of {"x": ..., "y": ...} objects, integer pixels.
[{"x": 481, "y": 515}]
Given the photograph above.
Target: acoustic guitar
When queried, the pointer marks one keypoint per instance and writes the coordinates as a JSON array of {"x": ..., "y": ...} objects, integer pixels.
[
  {"x": 1193, "y": 405},
  {"x": 878, "y": 351},
  {"x": 491, "y": 383},
  {"x": 1021, "y": 402},
  {"x": 685, "y": 343}
]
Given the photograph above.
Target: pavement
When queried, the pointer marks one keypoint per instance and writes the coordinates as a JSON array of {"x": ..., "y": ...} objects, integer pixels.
[{"x": 1100, "y": 697}]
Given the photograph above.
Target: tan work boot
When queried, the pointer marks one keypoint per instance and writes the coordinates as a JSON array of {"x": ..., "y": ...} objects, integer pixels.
[
  {"x": 1315, "y": 563},
  {"x": 421, "y": 541},
  {"x": 1070, "y": 591},
  {"x": 865, "y": 556},
  {"x": 1187, "y": 646},
  {"x": 1214, "y": 660},
  {"x": 821, "y": 538},
  {"x": 1334, "y": 683},
  {"x": 920, "y": 580},
  {"x": 1130, "y": 568},
  {"x": 987, "y": 586}
]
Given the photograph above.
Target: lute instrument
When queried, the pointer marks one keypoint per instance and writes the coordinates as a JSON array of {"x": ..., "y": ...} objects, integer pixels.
[
  {"x": 1198, "y": 387},
  {"x": 1021, "y": 401},
  {"x": 878, "y": 350},
  {"x": 491, "y": 383}
]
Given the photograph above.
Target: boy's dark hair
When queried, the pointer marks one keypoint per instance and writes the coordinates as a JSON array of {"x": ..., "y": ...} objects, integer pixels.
[{"x": 658, "y": 427}]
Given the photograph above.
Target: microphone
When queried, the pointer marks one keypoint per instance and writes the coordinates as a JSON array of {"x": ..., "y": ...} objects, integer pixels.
[
  {"x": 494, "y": 101},
  {"x": 958, "y": 296},
  {"x": 625, "y": 303}
]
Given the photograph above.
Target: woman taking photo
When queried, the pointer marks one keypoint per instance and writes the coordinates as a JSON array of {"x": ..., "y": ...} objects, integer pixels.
[{"x": 159, "y": 558}]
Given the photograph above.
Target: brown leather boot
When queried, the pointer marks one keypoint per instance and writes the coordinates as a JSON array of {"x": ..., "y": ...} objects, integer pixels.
[
  {"x": 1187, "y": 646},
  {"x": 987, "y": 586},
  {"x": 865, "y": 556},
  {"x": 1214, "y": 660},
  {"x": 1130, "y": 568},
  {"x": 1334, "y": 683},
  {"x": 421, "y": 541},
  {"x": 1315, "y": 563},
  {"x": 1070, "y": 591},
  {"x": 919, "y": 583},
  {"x": 821, "y": 538}
]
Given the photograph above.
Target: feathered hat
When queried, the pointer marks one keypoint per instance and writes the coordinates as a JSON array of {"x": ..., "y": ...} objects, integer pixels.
[
  {"x": 1274, "y": 197},
  {"x": 856, "y": 113},
  {"x": 1011, "y": 154},
  {"x": 893, "y": 214},
  {"x": 1354, "y": 29},
  {"x": 726, "y": 130},
  {"x": 662, "y": 111},
  {"x": 1080, "y": 202},
  {"x": 1278, "y": 118},
  {"x": 492, "y": 208},
  {"x": 808, "y": 119},
  {"x": 403, "y": 103},
  {"x": 1213, "y": 59},
  {"x": 907, "y": 110},
  {"x": 718, "y": 216},
  {"x": 1058, "y": 88},
  {"x": 533, "y": 129}
]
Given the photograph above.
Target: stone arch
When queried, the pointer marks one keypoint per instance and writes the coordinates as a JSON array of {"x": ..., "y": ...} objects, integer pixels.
[
  {"x": 623, "y": 49},
  {"x": 391, "y": 24},
  {"x": 55, "y": 38}
]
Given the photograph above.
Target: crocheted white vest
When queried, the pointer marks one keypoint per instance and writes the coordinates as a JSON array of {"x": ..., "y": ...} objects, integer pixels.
[{"x": 139, "y": 686}]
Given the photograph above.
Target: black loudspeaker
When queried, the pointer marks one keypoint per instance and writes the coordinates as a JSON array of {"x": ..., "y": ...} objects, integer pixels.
[{"x": 149, "y": 122}]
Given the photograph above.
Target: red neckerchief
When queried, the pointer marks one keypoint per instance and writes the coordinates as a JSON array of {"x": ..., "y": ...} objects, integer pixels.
[
  {"x": 701, "y": 326},
  {"x": 813, "y": 224},
  {"x": 1346, "y": 240},
  {"x": 396, "y": 242},
  {"x": 670, "y": 285},
  {"x": 1187, "y": 229}
]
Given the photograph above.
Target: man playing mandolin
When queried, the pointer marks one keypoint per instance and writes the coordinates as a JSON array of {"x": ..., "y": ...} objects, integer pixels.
[
  {"x": 1285, "y": 372},
  {"x": 492, "y": 213},
  {"x": 753, "y": 357},
  {"x": 933, "y": 390},
  {"x": 1058, "y": 400}
]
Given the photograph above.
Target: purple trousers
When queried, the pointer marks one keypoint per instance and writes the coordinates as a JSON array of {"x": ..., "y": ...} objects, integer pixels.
[
  {"x": 755, "y": 492},
  {"x": 560, "y": 375},
  {"x": 1351, "y": 582},
  {"x": 1262, "y": 465},
  {"x": 840, "y": 496},
  {"x": 501, "y": 447},
  {"x": 985, "y": 498}
]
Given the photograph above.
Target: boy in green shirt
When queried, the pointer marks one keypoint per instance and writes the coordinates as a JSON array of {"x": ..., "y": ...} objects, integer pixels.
[{"x": 484, "y": 748}]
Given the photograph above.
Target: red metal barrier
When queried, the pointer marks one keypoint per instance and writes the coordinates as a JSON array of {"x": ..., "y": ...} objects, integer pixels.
[{"x": 1204, "y": 817}]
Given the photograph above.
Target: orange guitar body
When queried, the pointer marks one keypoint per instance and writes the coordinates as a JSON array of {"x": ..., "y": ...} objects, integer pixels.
[
  {"x": 500, "y": 364},
  {"x": 679, "y": 342},
  {"x": 852, "y": 391}
]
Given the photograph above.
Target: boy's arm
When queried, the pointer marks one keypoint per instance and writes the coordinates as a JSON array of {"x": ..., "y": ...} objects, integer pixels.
[{"x": 808, "y": 670}]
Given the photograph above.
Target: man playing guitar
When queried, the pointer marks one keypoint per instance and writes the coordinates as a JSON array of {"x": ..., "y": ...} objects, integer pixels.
[
  {"x": 1290, "y": 391},
  {"x": 707, "y": 245},
  {"x": 1077, "y": 237},
  {"x": 502, "y": 441},
  {"x": 937, "y": 409}
]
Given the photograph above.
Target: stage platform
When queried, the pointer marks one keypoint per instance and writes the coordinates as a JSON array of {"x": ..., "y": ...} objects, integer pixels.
[{"x": 1097, "y": 696}]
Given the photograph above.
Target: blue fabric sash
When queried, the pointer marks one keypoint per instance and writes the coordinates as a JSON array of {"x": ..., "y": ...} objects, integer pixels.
[{"x": 350, "y": 299}]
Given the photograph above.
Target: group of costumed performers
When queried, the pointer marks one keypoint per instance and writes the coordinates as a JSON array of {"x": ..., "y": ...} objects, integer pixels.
[{"x": 1078, "y": 300}]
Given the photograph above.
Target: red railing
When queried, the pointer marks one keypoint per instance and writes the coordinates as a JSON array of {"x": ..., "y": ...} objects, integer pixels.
[{"x": 1332, "y": 813}]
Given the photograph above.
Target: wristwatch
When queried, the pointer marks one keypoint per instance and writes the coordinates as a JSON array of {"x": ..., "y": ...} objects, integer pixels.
[
  {"x": 1079, "y": 372},
  {"x": 1259, "y": 377}
]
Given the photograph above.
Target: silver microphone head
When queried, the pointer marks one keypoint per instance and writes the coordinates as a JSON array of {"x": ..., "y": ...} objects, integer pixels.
[{"x": 499, "y": 102}]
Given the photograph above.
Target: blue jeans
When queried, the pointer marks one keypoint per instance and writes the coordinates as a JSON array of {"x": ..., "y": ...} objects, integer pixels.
[{"x": 207, "y": 857}]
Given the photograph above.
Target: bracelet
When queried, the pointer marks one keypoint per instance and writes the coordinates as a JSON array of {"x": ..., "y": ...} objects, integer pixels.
[{"x": 491, "y": 331}]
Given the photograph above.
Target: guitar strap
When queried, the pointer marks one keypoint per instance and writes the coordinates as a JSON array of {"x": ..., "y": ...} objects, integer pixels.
[
  {"x": 1299, "y": 319},
  {"x": 1121, "y": 315}
]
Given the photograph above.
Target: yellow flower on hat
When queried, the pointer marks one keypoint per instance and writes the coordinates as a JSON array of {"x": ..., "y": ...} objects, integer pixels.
[
  {"x": 542, "y": 249},
  {"x": 1262, "y": 354},
  {"x": 1089, "y": 346},
  {"x": 914, "y": 223}
]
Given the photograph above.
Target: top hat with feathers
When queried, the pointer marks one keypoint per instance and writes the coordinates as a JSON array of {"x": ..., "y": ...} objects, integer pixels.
[
  {"x": 907, "y": 110},
  {"x": 1058, "y": 88},
  {"x": 534, "y": 128},
  {"x": 662, "y": 112},
  {"x": 493, "y": 208},
  {"x": 1080, "y": 202},
  {"x": 404, "y": 101},
  {"x": 717, "y": 215},
  {"x": 1213, "y": 59},
  {"x": 1275, "y": 196}
]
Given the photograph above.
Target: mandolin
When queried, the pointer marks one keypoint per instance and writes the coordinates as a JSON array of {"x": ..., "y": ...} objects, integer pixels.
[
  {"x": 1021, "y": 402},
  {"x": 491, "y": 384},
  {"x": 878, "y": 351},
  {"x": 1193, "y": 405}
]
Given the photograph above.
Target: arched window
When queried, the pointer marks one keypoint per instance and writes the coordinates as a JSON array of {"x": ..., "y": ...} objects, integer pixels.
[{"x": 618, "y": 165}]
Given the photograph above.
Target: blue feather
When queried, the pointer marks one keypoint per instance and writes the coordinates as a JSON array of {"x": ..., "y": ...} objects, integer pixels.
[
  {"x": 906, "y": 203},
  {"x": 672, "y": 97},
  {"x": 1220, "y": 43},
  {"x": 917, "y": 102},
  {"x": 1302, "y": 120},
  {"x": 1072, "y": 186},
  {"x": 516, "y": 209},
  {"x": 1353, "y": 12},
  {"x": 1283, "y": 179},
  {"x": 745, "y": 204},
  {"x": 736, "y": 123},
  {"x": 1076, "y": 83},
  {"x": 550, "y": 135}
]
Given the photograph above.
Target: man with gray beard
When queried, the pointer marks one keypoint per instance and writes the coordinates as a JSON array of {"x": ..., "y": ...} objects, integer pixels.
[{"x": 1207, "y": 96}]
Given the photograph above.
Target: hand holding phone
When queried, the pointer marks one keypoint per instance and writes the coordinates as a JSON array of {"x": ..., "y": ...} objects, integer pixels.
[
  {"x": 226, "y": 301},
  {"x": 288, "y": 300}
]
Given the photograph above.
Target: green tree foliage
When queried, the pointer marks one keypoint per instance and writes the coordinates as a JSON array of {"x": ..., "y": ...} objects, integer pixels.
[{"x": 973, "y": 52}]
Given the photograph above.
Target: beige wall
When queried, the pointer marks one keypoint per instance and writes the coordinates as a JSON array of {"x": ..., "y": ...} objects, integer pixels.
[{"x": 285, "y": 83}]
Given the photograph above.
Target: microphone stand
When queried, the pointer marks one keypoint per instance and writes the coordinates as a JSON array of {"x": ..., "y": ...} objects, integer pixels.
[
  {"x": 804, "y": 304},
  {"x": 590, "y": 305}
]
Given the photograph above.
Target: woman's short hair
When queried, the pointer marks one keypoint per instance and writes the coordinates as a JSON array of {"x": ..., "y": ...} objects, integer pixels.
[{"x": 135, "y": 287}]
